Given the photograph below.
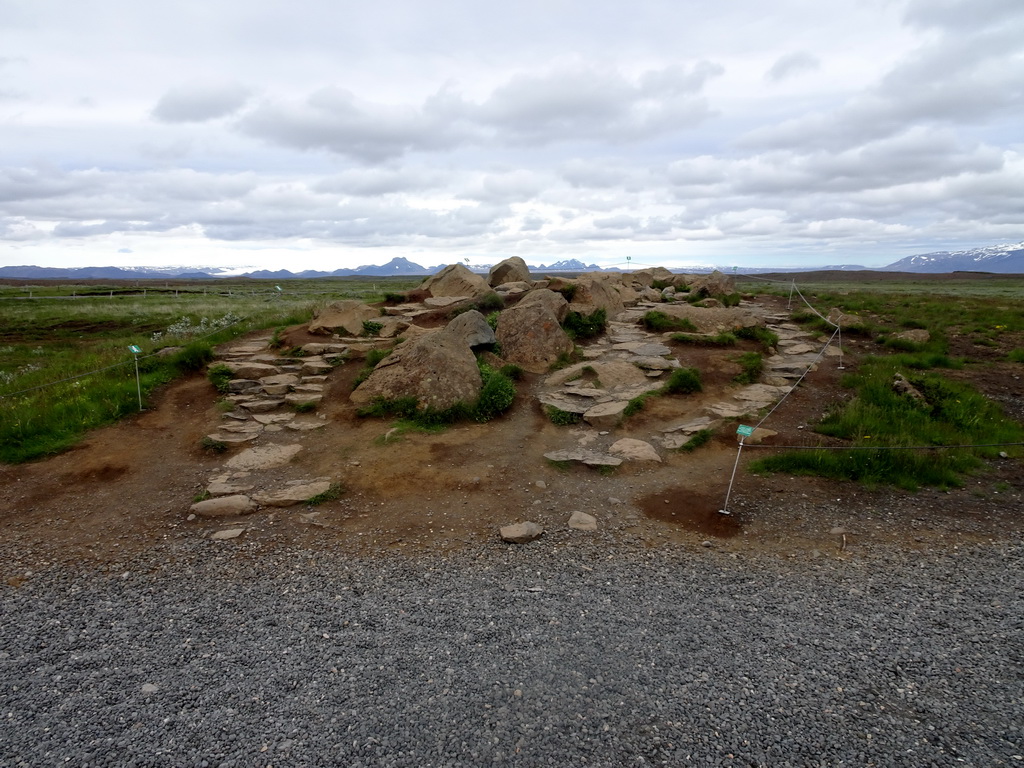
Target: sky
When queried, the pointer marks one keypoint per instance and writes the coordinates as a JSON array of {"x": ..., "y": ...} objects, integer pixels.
[{"x": 321, "y": 134}]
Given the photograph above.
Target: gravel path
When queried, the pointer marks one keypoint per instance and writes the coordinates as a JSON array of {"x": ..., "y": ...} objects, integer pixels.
[{"x": 535, "y": 655}]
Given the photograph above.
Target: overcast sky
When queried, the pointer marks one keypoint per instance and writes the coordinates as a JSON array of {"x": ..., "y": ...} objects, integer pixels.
[{"x": 317, "y": 134}]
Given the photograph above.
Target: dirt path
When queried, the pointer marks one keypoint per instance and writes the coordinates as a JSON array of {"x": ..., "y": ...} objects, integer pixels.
[{"x": 128, "y": 487}]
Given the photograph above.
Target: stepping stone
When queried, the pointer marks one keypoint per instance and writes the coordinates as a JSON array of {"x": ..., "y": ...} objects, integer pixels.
[
  {"x": 273, "y": 418},
  {"x": 695, "y": 425},
  {"x": 261, "y": 406},
  {"x": 306, "y": 425},
  {"x": 263, "y": 457},
  {"x": 301, "y": 398},
  {"x": 605, "y": 415},
  {"x": 656, "y": 363},
  {"x": 795, "y": 349},
  {"x": 296, "y": 494},
  {"x": 315, "y": 368},
  {"x": 590, "y": 458},
  {"x": 232, "y": 438},
  {"x": 288, "y": 379},
  {"x": 223, "y": 486},
  {"x": 631, "y": 449},
  {"x": 762, "y": 393}
]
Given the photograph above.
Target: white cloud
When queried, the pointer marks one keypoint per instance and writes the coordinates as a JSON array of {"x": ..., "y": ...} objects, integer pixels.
[
  {"x": 198, "y": 103},
  {"x": 792, "y": 64}
]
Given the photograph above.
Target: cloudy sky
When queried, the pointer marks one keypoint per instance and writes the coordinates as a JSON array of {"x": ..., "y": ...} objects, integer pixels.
[{"x": 317, "y": 134}]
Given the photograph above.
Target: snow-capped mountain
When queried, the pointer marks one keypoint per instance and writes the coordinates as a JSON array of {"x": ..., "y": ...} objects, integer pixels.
[{"x": 1008, "y": 258}]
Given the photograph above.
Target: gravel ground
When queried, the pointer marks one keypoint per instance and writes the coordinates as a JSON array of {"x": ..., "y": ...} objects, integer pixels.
[{"x": 554, "y": 653}]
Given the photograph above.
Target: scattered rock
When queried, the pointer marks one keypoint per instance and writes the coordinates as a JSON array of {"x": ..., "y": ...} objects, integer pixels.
[
  {"x": 521, "y": 533},
  {"x": 915, "y": 335},
  {"x": 590, "y": 458},
  {"x": 224, "y": 506},
  {"x": 229, "y": 533},
  {"x": 901, "y": 386},
  {"x": 581, "y": 521}
]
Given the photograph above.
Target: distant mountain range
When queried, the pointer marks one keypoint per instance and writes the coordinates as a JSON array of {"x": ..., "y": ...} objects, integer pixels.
[
  {"x": 1004, "y": 259},
  {"x": 994, "y": 258}
]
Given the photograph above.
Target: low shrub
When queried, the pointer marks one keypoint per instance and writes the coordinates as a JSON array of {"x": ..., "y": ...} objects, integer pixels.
[
  {"x": 752, "y": 364},
  {"x": 723, "y": 339},
  {"x": 372, "y": 328},
  {"x": 697, "y": 439},
  {"x": 193, "y": 356},
  {"x": 1016, "y": 355},
  {"x": 562, "y": 418},
  {"x": 219, "y": 376},
  {"x": 305, "y": 407},
  {"x": 492, "y": 302},
  {"x": 333, "y": 493},
  {"x": 683, "y": 381},
  {"x": 758, "y": 333},
  {"x": 730, "y": 299},
  {"x": 659, "y": 322},
  {"x": 492, "y": 320},
  {"x": 635, "y": 405},
  {"x": 579, "y": 326},
  {"x": 496, "y": 395},
  {"x": 373, "y": 358},
  {"x": 213, "y": 445},
  {"x": 513, "y": 371}
]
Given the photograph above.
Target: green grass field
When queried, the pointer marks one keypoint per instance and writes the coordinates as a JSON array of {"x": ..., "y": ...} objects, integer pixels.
[{"x": 65, "y": 366}]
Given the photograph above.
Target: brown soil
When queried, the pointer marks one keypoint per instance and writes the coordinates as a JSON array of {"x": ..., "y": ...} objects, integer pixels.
[{"x": 128, "y": 488}]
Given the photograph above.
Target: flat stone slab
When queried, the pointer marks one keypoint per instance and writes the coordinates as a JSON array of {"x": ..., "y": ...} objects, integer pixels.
[
  {"x": 605, "y": 415},
  {"x": 250, "y": 370},
  {"x": 306, "y": 425},
  {"x": 762, "y": 393},
  {"x": 632, "y": 449},
  {"x": 566, "y": 403},
  {"x": 224, "y": 486},
  {"x": 229, "y": 437},
  {"x": 656, "y": 363},
  {"x": 795, "y": 349},
  {"x": 272, "y": 418},
  {"x": 263, "y": 457},
  {"x": 644, "y": 349},
  {"x": 293, "y": 495},
  {"x": 590, "y": 458},
  {"x": 444, "y": 301},
  {"x": 315, "y": 368},
  {"x": 262, "y": 405},
  {"x": 288, "y": 379},
  {"x": 725, "y": 410},
  {"x": 224, "y": 506},
  {"x": 694, "y": 425},
  {"x": 300, "y": 398}
]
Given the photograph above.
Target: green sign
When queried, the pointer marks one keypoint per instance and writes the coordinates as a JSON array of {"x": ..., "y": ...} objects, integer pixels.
[
  {"x": 134, "y": 350},
  {"x": 744, "y": 430}
]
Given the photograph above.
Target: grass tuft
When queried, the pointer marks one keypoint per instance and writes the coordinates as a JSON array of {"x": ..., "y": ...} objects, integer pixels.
[{"x": 659, "y": 322}]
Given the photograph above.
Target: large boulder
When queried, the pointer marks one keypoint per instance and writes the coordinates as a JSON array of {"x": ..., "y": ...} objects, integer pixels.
[
  {"x": 456, "y": 280},
  {"x": 531, "y": 336},
  {"x": 595, "y": 292},
  {"x": 553, "y": 300},
  {"x": 712, "y": 319},
  {"x": 715, "y": 284},
  {"x": 439, "y": 370},
  {"x": 511, "y": 270},
  {"x": 472, "y": 328},
  {"x": 343, "y": 317}
]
